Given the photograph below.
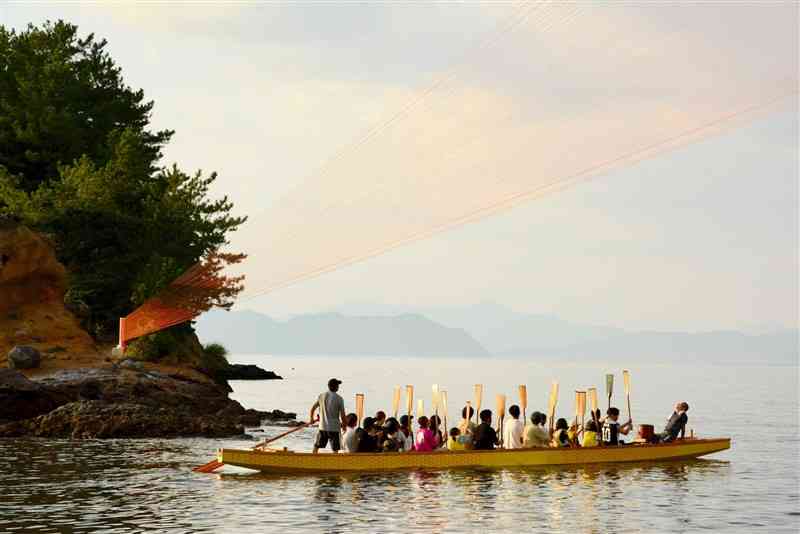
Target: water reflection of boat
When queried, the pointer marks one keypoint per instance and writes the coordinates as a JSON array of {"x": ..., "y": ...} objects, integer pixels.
[{"x": 287, "y": 461}]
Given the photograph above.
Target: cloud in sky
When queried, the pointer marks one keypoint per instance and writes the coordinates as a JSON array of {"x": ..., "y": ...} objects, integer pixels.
[{"x": 267, "y": 93}]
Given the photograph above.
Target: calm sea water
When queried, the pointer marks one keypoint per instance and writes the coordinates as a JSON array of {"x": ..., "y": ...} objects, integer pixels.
[{"x": 147, "y": 485}]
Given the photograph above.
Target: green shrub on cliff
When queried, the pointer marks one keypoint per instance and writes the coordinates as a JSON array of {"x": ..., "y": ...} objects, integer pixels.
[{"x": 79, "y": 163}]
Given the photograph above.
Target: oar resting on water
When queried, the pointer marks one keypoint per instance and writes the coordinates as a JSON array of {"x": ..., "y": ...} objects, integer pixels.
[{"x": 213, "y": 465}]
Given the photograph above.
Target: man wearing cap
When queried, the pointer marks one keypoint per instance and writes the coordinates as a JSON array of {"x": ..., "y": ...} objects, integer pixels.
[{"x": 332, "y": 417}]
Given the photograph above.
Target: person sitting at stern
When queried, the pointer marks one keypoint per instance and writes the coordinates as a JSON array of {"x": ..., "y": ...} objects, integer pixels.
[{"x": 676, "y": 424}]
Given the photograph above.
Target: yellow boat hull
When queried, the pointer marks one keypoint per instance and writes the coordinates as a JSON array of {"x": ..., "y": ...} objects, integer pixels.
[{"x": 301, "y": 462}]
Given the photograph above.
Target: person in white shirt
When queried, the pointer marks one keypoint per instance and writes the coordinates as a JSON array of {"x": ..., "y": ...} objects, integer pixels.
[
  {"x": 514, "y": 430},
  {"x": 350, "y": 437}
]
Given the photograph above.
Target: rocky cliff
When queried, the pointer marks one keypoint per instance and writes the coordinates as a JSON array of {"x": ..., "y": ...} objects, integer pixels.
[{"x": 77, "y": 389}]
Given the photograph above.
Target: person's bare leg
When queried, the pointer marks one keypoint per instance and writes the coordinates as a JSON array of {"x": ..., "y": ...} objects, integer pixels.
[{"x": 316, "y": 449}]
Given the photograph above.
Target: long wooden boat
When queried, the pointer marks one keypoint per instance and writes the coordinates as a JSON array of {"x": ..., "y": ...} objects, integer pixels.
[{"x": 276, "y": 461}]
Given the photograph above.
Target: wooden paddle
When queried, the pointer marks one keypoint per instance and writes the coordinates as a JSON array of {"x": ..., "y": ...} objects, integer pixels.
[
  {"x": 213, "y": 465},
  {"x": 478, "y": 399},
  {"x": 523, "y": 399},
  {"x": 420, "y": 408},
  {"x": 443, "y": 406},
  {"x": 500, "y": 403},
  {"x": 359, "y": 407},
  {"x": 609, "y": 387},
  {"x": 593, "y": 405},
  {"x": 582, "y": 407},
  {"x": 396, "y": 401},
  {"x": 552, "y": 406},
  {"x": 626, "y": 379},
  {"x": 409, "y": 411},
  {"x": 279, "y": 436},
  {"x": 409, "y": 403},
  {"x": 435, "y": 399}
]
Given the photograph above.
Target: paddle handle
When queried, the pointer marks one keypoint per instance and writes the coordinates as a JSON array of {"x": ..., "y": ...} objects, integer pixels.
[{"x": 279, "y": 436}]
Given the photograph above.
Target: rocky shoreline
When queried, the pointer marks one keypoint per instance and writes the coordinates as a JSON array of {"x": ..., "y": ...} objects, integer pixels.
[{"x": 122, "y": 402}]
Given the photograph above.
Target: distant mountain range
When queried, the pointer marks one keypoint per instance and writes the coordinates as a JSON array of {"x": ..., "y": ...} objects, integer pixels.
[
  {"x": 480, "y": 330},
  {"x": 334, "y": 333}
]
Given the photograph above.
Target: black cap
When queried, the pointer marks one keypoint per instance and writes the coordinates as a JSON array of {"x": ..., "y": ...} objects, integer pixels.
[{"x": 334, "y": 382}]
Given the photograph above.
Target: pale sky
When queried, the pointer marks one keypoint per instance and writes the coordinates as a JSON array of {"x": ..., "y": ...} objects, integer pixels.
[{"x": 701, "y": 237}]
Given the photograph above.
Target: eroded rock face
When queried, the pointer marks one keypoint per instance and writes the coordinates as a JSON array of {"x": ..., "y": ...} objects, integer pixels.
[
  {"x": 32, "y": 312},
  {"x": 24, "y": 357}
]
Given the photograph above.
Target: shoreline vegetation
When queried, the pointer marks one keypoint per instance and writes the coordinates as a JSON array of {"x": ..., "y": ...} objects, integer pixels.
[{"x": 93, "y": 225}]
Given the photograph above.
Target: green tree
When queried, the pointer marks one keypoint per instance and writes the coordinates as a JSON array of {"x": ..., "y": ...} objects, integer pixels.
[
  {"x": 60, "y": 98},
  {"x": 123, "y": 227}
]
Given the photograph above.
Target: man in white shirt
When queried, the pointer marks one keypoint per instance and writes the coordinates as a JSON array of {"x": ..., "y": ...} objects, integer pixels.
[
  {"x": 331, "y": 417},
  {"x": 514, "y": 430}
]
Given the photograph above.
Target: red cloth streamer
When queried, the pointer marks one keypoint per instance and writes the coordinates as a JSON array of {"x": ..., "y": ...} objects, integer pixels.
[{"x": 183, "y": 300}]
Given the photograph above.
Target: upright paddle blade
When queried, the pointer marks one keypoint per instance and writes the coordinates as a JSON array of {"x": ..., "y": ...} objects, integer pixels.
[
  {"x": 609, "y": 387},
  {"x": 360, "y": 407},
  {"x": 409, "y": 401},
  {"x": 593, "y": 399},
  {"x": 523, "y": 399},
  {"x": 420, "y": 408},
  {"x": 577, "y": 403},
  {"x": 435, "y": 398},
  {"x": 443, "y": 403},
  {"x": 582, "y": 405},
  {"x": 500, "y": 402},
  {"x": 396, "y": 401},
  {"x": 551, "y": 414},
  {"x": 478, "y": 399},
  {"x": 626, "y": 378}
]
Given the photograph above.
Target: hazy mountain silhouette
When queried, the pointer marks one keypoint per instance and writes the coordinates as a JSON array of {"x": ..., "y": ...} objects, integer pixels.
[
  {"x": 334, "y": 333},
  {"x": 505, "y": 332}
]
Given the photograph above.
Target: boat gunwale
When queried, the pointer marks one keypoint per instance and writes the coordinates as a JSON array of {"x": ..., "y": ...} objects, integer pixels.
[{"x": 439, "y": 452}]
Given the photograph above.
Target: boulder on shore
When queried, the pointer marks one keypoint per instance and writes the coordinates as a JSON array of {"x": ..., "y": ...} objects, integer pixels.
[{"x": 24, "y": 357}]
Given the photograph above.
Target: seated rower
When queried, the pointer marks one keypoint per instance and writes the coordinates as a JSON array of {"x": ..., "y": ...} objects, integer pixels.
[
  {"x": 467, "y": 426},
  {"x": 484, "y": 438},
  {"x": 560, "y": 434},
  {"x": 389, "y": 442},
  {"x": 454, "y": 443},
  {"x": 612, "y": 429},
  {"x": 368, "y": 436},
  {"x": 434, "y": 424},
  {"x": 514, "y": 429},
  {"x": 425, "y": 440},
  {"x": 589, "y": 435},
  {"x": 405, "y": 433},
  {"x": 676, "y": 424},
  {"x": 380, "y": 418},
  {"x": 350, "y": 437},
  {"x": 535, "y": 433}
]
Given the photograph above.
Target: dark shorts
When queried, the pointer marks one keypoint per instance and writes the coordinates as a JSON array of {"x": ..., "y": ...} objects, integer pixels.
[{"x": 323, "y": 437}]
